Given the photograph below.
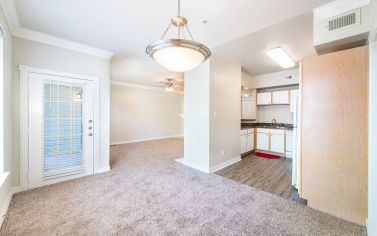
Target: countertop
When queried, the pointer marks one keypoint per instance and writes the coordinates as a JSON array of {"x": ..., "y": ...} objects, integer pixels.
[{"x": 266, "y": 126}]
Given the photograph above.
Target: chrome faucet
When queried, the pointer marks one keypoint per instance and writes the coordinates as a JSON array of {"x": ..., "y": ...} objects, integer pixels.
[{"x": 274, "y": 122}]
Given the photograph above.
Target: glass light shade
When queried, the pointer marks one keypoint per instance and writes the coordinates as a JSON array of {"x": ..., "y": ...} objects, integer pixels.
[{"x": 178, "y": 55}]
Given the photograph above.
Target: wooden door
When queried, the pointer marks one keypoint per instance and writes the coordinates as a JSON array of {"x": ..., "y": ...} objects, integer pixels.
[{"x": 334, "y": 133}]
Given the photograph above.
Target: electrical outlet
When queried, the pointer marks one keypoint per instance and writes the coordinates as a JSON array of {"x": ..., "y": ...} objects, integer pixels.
[{"x": 222, "y": 152}]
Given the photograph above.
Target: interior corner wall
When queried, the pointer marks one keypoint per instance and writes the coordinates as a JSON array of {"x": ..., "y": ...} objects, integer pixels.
[
  {"x": 196, "y": 122},
  {"x": 34, "y": 54},
  {"x": 372, "y": 139},
  {"x": 6, "y": 188},
  {"x": 225, "y": 111},
  {"x": 139, "y": 114},
  {"x": 212, "y": 114}
]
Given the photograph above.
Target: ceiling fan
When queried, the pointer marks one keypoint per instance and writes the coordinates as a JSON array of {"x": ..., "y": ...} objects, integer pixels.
[{"x": 170, "y": 85}]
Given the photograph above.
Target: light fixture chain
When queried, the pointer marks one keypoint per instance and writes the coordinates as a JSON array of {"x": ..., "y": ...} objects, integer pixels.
[
  {"x": 179, "y": 7},
  {"x": 166, "y": 31},
  {"x": 192, "y": 38}
]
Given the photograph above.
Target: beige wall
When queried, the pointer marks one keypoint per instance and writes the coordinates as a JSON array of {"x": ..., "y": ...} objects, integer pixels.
[
  {"x": 44, "y": 56},
  {"x": 225, "y": 107},
  {"x": 212, "y": 114},
  {"x": 6, "y": 187},
  {"x": 139, "y": 114},
  {"x": 196, "y": 123}
]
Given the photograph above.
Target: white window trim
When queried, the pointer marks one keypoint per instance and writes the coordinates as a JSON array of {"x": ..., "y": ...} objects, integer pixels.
[
  {"x": 24, "y": 114},
  {"x": 2, "y": 133}
]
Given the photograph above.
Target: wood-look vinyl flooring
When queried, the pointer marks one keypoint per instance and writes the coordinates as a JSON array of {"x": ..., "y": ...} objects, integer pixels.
[{"x": 269, "y": 175}]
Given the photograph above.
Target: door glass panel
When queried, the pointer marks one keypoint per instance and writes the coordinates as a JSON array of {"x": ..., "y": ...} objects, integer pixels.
[{"x": 63, "y": 149}]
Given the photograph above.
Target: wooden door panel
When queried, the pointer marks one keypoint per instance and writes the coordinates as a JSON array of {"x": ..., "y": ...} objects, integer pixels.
[{"x": 334, "y": 133}]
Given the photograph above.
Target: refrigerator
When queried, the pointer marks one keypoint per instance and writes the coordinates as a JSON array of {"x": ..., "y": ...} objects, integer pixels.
[{"x": 296, "y": 141}]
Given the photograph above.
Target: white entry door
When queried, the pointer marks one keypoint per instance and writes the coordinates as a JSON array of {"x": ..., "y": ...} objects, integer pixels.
[{"x": 61, "y": 129}]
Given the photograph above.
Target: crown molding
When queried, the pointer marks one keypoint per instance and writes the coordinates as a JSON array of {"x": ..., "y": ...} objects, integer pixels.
[
  {"x": 141, "y": 86},
  {"x": 10, "y": 14},
  {"x": 60, "y": 42},
  {"x": 338, "y": 7},
  {"x": 17, "y": 30}
]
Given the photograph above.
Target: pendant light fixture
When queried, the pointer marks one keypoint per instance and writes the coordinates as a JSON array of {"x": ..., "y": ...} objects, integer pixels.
[{"x": 178, "y": 54}]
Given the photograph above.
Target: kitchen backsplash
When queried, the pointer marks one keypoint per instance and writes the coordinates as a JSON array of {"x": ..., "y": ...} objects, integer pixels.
[{"x": 281, "y": 113}]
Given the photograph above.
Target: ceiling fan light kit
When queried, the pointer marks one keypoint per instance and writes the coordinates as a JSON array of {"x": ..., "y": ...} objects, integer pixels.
[{"x": 178, "y": 54}]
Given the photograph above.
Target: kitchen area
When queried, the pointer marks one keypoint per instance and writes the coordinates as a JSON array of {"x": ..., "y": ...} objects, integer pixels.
[{"x": 268, "y": 134}]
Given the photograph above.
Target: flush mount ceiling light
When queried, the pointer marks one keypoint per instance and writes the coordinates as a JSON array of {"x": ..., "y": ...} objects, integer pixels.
[
  {"x": 281, "y": 57},
  {"x": 178, "y": 54}
]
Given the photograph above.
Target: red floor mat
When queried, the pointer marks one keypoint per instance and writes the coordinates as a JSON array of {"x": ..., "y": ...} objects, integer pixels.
[{"x": 264, "y": 155}]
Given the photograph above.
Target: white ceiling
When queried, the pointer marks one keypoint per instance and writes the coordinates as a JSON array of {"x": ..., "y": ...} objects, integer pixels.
[
  {"x": 295, "y": 36},
  {"x": 126, "y": 27}
]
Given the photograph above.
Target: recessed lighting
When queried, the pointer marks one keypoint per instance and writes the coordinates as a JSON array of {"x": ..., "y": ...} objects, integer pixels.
[{"x": 281, "y": 57}]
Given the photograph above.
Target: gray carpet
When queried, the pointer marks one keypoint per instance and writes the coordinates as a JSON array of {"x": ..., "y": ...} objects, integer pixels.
[{"x": 148, "y": 193}]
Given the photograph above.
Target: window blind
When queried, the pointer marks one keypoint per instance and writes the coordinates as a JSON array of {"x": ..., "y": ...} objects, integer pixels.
[{"x": 63, "y": 144}]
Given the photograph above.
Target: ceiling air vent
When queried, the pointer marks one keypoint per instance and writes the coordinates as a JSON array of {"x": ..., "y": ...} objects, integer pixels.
[{"x": 343, "y": 21}]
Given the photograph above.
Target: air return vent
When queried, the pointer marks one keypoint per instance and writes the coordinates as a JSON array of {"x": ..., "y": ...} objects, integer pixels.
[
  {"x": 341, "y": 25},
  {"x": 343, "y": 21}
]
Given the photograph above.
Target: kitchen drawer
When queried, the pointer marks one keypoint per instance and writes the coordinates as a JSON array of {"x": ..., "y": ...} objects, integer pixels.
[
  {"x": 277, "y": 131},
  {"x": 250, "y": 131},
  {"x": 243, "y": 131},
  {"x": 262, "y": 130}
]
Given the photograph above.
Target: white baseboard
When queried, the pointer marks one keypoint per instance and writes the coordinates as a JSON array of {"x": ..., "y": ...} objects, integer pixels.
[
  {"x": 196, "y": 166},
  {"x": 180, "y": 160},
  {"x": 210, "y": 169},
  {"x": 5, "y": 207},
  {"x": 147, "y": 139},
  {"x": 103, "y": 169},
  {"x": 224, "y": 164}
]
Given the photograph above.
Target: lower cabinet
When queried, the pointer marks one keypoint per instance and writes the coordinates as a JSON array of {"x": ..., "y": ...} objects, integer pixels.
[
  {"x": 277, "y": 143},
  {"x": 250, "y": 142},
  {"x": 263, "y": 141},
  {"x": 243, "y": 143},
  {"x": 272, "y": 140},
  {"x": 247, "y": 140}
]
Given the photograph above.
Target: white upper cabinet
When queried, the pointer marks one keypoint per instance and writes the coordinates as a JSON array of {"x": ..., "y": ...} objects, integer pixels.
[
  {"x": 280, "y": 97},
  {"x": 264, "y": 98},
  {"x": 249, "y": 110}
]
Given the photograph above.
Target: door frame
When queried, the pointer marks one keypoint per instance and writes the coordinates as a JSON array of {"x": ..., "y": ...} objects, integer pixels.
[{"x": 24, "y": 118}]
